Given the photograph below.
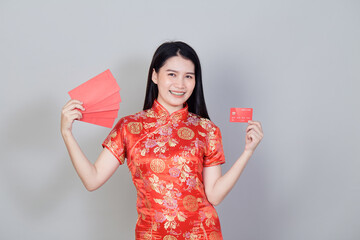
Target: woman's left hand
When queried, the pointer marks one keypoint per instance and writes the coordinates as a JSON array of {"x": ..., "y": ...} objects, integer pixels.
[{"x": 254, "y": 134}]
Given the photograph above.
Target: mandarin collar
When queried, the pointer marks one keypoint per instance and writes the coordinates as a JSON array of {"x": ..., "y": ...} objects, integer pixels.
[{"x": 161, "y": 111}]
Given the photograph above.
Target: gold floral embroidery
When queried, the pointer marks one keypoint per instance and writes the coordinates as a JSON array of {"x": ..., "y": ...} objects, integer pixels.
[
  {"x": 186, "y": 133},
  {"x": 210, "y": 217},
  {"x": 173, "y": 142},
  {"x": 202, "y": 134},
  {"x": 122, "y": 158},
  {"x": 147, "y": 236},
  {"x": 166, "y": 168},
  {"x": 181, "y": 164},
  {"x": 190, "y": 203},
  {"x": 157, "y": 165},
  {"x": 112, "y": 135},
  {"x": 150, "y": 113},
  {"x": 134, "y": 127},
  {"x": 215, "y": 236},
  {"x": 205, "y": 124},
  {"x": 149, "y": 125},
  {"x": 169, "y": 237}
]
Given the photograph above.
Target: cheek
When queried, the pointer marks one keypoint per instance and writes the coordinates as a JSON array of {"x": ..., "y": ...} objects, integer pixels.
[
  {"x": 192, "y": 85},
  {"x": 162, "y": 84}
]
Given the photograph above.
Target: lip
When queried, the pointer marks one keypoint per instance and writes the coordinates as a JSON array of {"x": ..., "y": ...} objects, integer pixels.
[{"x": 177, "y": 93}]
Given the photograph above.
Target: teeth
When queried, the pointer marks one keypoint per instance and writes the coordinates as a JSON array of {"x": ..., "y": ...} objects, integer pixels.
[{"x": 177, "y": 93}]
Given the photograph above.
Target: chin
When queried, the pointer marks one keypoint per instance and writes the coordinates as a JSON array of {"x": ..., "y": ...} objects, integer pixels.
[{"x": 177, "y": 103}]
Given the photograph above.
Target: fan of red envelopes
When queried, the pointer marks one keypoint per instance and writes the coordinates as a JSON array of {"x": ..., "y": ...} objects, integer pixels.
[{"x": 101, "y": 97}]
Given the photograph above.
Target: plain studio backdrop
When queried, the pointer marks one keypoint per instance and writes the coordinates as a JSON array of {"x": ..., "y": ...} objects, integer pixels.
[{"x": 296, "y": 63}]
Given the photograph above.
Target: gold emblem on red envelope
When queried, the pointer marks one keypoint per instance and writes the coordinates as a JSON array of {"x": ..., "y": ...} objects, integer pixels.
[
  {"x": 190, "y": 203},
  {"x": 134, "y": 127},
  {"x": 186, "y": 133},
  {"x": 157, "y": 165}
]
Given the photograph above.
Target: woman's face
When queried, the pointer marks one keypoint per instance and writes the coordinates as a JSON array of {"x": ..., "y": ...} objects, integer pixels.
[{"x": 175, "y": 81}]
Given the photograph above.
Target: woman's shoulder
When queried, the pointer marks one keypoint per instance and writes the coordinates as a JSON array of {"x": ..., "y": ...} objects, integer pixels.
[
  {"x": 205, "y": 123},
  {"x": 136, "y": 117},
  {"x": 126, "y": 119}
]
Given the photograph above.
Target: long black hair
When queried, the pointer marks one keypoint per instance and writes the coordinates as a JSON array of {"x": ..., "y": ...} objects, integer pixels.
[{"x": 196, "y": 101}]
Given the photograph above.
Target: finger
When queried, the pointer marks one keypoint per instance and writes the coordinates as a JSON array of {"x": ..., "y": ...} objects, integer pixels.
[
  {"x": 74, "y": 106},
  {"x": 258, "y": 131},
  {"x": 255, "y": 135},
  {"x": 251, "y": 137},
  {"x": 73, "y": 101},
  {"x": 67, "y": 112},
  {"x": 79, "y": 106},
  {"x": 76, "y": 115},
  {"x": 256, "y": 128},
  {"x": 249, "y": 127},
  {"x": 252, "y": 127},
  {"x": 71, "y": 113},
  {"x": 251, "y": 122},
  {"x": 256, "y": 123}
]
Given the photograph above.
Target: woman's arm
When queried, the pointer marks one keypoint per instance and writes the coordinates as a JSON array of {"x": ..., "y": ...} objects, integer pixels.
[
  {"x": 217, "y": 186},
  {"x": 92, "y": 175}
]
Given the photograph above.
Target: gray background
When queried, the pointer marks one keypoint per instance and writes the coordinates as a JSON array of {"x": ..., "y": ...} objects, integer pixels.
[{"x": 295, "y": 62}]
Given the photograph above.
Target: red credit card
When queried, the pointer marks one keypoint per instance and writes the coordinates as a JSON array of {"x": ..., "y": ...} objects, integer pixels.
[{"x": 240, "y": 114}]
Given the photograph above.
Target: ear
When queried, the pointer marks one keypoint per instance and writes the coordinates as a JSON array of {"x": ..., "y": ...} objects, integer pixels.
[{"x": 154, "y": 76}]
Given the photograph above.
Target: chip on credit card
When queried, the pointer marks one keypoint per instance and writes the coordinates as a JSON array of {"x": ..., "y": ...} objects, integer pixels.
[{"x": 240, "y": 114}]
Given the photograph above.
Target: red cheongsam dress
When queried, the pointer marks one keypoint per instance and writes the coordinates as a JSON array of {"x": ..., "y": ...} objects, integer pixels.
[{"x": 166, "y": 155}]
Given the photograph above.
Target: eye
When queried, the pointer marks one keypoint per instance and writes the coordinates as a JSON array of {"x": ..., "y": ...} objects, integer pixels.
[
  {"x": 171, "y": 74},
  {"x": 189, "y": 76}
]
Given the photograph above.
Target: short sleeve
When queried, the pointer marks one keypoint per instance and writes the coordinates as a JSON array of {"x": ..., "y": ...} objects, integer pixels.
[
  {"x": 214, "y": 154},
  {"x": 115, "y": 142}
]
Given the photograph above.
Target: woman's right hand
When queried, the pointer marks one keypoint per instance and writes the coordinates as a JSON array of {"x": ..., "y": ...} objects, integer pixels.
[{"x": 69, "y": 113}]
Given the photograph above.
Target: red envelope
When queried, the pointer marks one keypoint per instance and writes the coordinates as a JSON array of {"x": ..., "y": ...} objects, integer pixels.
[
  {"x": 96, "y": 89},
  {"x": 107, "y": 104},
  {"x": 103, "y": 114},
  {"x": 100, "y": 96},
  {"x": 114, "y": 106},
  {"x": 240, "y": 114},
  {"x": 104, "y": 122}
]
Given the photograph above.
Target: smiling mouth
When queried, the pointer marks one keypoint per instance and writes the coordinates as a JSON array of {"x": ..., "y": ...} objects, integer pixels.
[{"x": 177, "y": 93}]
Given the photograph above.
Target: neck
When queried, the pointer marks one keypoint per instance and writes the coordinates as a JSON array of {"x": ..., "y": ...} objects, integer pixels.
[{"x": 169, "y": 108}]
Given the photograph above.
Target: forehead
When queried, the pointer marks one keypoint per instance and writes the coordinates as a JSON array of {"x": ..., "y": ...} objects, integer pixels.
[{"x": 179, "y": 63}]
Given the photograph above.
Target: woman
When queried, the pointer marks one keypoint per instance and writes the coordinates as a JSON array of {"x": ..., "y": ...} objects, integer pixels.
[{"x": 173, "y": 151}]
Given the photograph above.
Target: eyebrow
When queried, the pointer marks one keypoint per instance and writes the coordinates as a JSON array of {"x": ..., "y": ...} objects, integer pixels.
[{"x": 170, "y": 70}]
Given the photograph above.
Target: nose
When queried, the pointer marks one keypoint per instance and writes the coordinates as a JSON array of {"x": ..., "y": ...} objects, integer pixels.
[{"x": 180, "y": 82}]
